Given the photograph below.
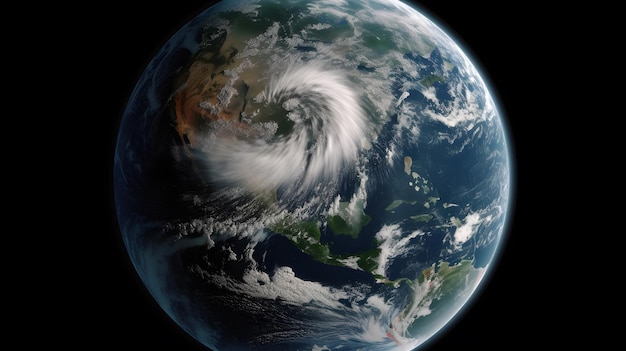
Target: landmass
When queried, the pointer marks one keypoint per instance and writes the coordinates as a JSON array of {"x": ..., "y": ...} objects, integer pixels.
[
  {"x": 408, "y": 162},
  {"x": 349, "y": 219},
  {"x": 422, "y": 217},
  {"x": 396, "y": 203}
]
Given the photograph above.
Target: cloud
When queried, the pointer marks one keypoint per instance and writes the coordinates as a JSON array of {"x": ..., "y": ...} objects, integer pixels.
[
  {"x": 393, "y": 243},
  {"x": 466, "y": 230},
  {"x": 283, "y": 283}
]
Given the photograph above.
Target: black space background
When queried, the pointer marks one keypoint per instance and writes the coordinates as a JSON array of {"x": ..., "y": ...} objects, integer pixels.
[{"x": 93, "y": 297}]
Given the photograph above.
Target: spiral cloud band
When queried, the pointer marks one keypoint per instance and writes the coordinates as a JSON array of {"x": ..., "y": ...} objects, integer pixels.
[{"x": 327, "y": 123}]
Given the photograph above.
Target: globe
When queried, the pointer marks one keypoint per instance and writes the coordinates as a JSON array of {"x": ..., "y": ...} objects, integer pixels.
[{"x": 313, "y": 175}]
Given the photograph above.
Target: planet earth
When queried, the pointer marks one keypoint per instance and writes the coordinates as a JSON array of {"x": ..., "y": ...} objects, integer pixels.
[{"x": 313, "y": 175}]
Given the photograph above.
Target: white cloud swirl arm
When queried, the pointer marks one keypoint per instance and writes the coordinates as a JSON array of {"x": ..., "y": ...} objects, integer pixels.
[{"x": 329, "y": 126}]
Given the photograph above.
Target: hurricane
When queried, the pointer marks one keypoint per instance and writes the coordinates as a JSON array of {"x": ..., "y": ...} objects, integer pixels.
[{"x": 327, "y": 126}]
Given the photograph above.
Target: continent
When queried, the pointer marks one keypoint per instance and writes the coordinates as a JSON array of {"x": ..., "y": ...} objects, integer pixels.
[
  {"x": 204, "y": 93},
  {"x": 437, "y": 284}
]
